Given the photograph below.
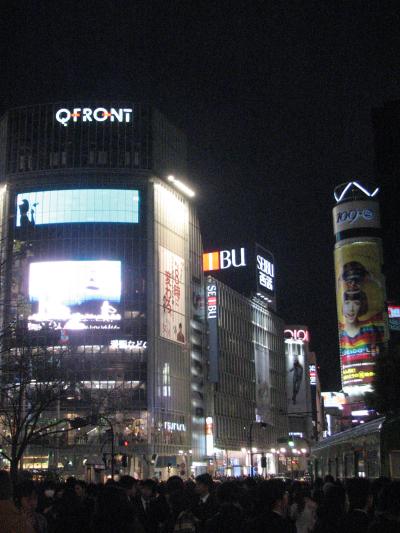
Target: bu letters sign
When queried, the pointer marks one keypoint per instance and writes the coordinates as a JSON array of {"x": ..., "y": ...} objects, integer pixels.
[{"x": 224, "y": 259}]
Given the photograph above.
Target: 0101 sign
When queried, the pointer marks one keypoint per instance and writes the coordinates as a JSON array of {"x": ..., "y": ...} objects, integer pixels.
[{"x": 297, "y": 335}]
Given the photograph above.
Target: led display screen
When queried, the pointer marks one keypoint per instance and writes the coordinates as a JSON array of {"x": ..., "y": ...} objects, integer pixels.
[
  {"x": 74, "y": 295},
  {"x": 77, "y": 205}
]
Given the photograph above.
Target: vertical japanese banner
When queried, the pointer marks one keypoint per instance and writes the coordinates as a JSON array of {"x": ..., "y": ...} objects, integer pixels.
[{"x": 172, "y": 296}]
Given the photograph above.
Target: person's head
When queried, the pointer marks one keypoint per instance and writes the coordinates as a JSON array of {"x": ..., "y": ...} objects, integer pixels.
[
  {"x": 174, "y": 484},
  {"x": 49, "y": 489},
  {"x": 353, "y": 275},
  {"x": 80, "y": 488},
  {"x": 24, "y": 207},
  {"x": 25, "y": 496},
  {"x": 274, "y": 495},
  {"x": 129, "y": 484},
  {"x": 204, "y": 484},
  {"x": 359, "y": 493},
  {"x": 355, "y": 304},
  {"x": 329, "y": 479},
  {"x": 5, "y": 485},
  {"x": 334, "y": 498},
  {"x": 147, "y": 488}
]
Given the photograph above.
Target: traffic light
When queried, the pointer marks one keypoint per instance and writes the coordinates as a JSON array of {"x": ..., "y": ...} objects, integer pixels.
[
  {"x": 263, "y": 462},
  {"x": 123, "y": 442}
]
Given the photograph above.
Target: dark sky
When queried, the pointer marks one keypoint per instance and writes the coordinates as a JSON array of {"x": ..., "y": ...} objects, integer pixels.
[{"x": 275, "y": 98}]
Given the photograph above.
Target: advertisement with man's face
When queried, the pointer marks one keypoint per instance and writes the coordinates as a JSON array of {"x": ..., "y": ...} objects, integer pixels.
[
  {"x": 360, "y": 293},
  {"x": 172, "y": 296}
]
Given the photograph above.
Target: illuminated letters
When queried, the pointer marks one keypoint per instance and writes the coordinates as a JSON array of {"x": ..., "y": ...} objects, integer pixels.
[
  {"x": 99, "y": 114},
  {"x": 297, "y": 335},
  {"x": 223, "y": 259},
  {"x": 211, "y": 301}
]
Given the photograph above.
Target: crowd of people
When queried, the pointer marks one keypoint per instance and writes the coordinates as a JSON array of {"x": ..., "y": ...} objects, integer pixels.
[{"x": 200, "y": 505}]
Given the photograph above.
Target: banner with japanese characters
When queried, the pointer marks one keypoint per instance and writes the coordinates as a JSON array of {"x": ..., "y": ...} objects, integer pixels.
[{"x": 172, "y": 296}]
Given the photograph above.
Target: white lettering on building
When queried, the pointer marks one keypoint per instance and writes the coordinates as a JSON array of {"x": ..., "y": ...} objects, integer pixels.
[{"x": 99, "y": 114}]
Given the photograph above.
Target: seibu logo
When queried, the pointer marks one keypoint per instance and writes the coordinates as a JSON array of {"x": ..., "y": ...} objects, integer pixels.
[
  {"x": 99, "y": 114},
  {"x": 224, "y": 259},
  {"x": 297, "y": 335}
]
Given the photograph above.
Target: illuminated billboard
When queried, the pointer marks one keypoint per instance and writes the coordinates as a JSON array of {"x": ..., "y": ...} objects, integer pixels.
[
  {"x": 77, "y": 206},
  {"x": 74, "y": 295},
  {"x": 172, "y": 296},
  {"x": 360, "y": 293},
  {"x": 265, "y": 272},
  {"x": 297, "y": 378}
]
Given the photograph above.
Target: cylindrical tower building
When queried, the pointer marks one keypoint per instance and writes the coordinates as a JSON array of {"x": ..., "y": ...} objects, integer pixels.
[
  {"x": 360, "y": 284},
  {"x": 102, "y": 266}
]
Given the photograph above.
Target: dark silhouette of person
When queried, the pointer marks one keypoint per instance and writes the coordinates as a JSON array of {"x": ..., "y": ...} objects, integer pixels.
[
  {"x": 180, "y": 337},
  {"x": 297, "y": 379},
  {"x": 25, "y": 222}
]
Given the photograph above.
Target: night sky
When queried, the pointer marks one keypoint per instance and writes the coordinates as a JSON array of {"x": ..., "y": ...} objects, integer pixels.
[{"x": 275, "y": 98}]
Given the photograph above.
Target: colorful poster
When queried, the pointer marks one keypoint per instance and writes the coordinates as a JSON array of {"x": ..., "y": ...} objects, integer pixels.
[
  {"x": 172, "y": 296},
  {"x": 360, "y": 294}
]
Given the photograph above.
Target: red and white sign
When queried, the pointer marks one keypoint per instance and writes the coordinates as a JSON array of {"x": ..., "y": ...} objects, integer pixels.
[
  {"x": 394, "y": 311},
  {"x": 172, "y": 296}
]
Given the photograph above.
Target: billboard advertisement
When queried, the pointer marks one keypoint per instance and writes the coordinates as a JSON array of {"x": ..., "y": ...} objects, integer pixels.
[
  {"x": 77, "y": 206},
  {"x": 263, "y": 395},
  {"x": 172, "y": 296},
  {"x": 74, "y": 295},
  {"x": 360, "y": 294},
  {"x": 296, "y": 374}
]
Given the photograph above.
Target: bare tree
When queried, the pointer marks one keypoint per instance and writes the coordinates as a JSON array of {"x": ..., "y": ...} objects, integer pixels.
[{"x": 33, "y": 382}]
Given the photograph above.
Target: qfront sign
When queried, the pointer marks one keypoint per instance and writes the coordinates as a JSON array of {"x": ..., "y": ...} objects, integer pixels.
[
  {"x": 224, "y": 259},
  {"x": 98, "y": 114}
]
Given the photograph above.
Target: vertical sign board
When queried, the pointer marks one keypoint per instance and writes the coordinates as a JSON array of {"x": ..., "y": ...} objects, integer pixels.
[
  {"x": 172, "y": 296},
  {"x": 265, "y": 273},
  {"x": 360, "y": 292},
  {"x": 212, "y": 321},
  {"x": 297, "y": 377}
]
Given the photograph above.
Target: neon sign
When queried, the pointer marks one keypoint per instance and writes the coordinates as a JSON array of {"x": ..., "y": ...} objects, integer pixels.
[
  {"x": 223, "y": 259},
  {"x": 99, "y": 114},
  {"x": 297, "y": 335}
]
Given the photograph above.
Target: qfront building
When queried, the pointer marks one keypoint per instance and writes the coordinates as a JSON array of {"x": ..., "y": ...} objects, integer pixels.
[{"x": 101, "y": 279}]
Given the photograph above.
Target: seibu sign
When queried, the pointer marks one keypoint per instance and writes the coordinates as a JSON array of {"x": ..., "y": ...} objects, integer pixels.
[
  {"x": 224, "y": 259},
  {"x": 296, "y": 335},
  {"x": 99, "y": 114}
]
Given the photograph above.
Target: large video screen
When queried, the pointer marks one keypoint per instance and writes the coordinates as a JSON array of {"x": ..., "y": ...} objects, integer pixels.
[
  {"x": 74, "y": 295},
  {"x": 77, "y": 205}
]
